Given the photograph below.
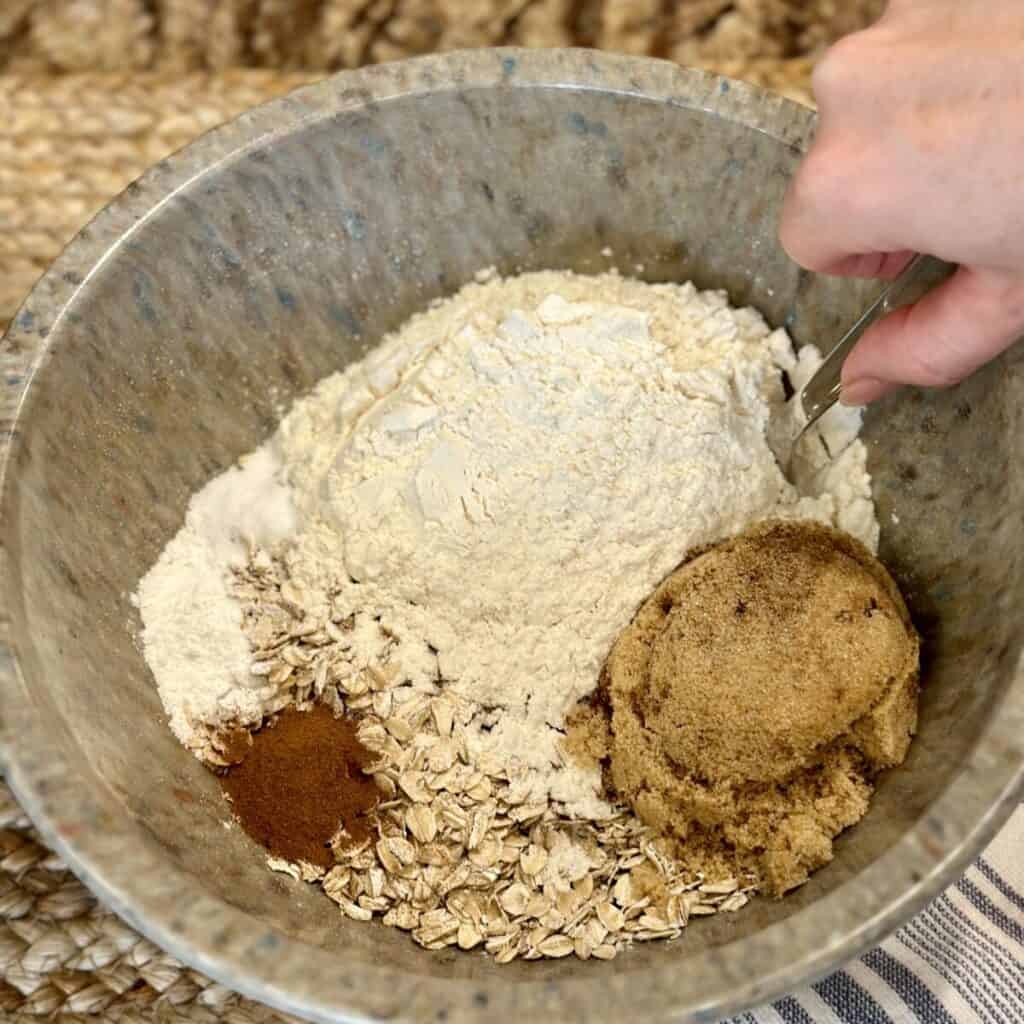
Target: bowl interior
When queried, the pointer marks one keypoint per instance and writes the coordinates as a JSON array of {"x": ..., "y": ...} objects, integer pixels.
[{"x": 288, "y": 260}]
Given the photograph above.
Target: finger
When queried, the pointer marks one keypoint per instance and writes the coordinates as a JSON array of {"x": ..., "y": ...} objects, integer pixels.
[
  {"x": 803, "y": 226},
  {"x": 881, "y": 265},
  {"x": 823, "y": 217},
  {"x": 865, "y": 390},
  {"x": 939, "y": 340}
]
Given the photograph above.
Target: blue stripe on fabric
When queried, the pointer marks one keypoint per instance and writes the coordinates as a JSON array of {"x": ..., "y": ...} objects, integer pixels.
[
  {"x": 850, "y": 1001},
  {"x": 927, "y": 952},
  {"x": 923, "y": 1003},
  {"x": 992, "y": 954},
  {"x": 792, "y": 1012},
  {"x": 943, "y": 942},
  {"x": 990, "y": 947},
  {"x": 981, "y": 902},
  {"x": 1000, "y": 883}
]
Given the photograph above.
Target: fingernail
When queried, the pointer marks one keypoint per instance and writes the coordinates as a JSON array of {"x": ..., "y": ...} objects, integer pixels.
[{"x": 863, "y": 390}]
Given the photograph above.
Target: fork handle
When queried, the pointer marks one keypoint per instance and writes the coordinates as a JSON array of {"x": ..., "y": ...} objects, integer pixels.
[{"x": 821, "y": 392}]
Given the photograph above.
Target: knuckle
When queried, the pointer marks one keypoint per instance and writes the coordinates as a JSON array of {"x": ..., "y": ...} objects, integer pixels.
[
  {"x": 1007, "y": 303},
  {"x": 832, "y": 177},
  {"x": 835, "y": 68},
  {"x": 935, "y": 362},
  {"x": 824, "y": 196},
  {"x": 842, "y": 71},
  {"x": 1014, "y": 313},
  {"x": 927, "y": 372},
  {"x": 997, "y": 301}
]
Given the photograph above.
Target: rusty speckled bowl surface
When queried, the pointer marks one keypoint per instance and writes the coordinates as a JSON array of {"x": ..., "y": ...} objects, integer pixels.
[{"x": 234, "y": 275}]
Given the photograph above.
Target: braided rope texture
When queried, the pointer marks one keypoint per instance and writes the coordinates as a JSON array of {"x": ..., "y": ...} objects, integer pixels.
[
  {"x": 324, "y": 35},
  {"x": 64, "y": 958},
  {"x": 95, "y": 91}
]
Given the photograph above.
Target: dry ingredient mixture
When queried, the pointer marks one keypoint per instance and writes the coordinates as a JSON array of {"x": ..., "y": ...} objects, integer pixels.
[
  {"x": 750, "y": 703},
  {"x": 455, "y": 531}
]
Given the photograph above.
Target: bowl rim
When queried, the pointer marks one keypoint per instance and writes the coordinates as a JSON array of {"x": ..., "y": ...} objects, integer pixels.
[{"x": 170, "y": 907}]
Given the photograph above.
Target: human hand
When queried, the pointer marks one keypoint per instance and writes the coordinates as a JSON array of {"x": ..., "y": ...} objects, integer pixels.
[{"x": 920, "y": 148}]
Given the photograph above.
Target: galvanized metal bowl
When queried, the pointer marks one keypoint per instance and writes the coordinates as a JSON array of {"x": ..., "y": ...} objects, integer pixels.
[{"x": 161, "y": 346}]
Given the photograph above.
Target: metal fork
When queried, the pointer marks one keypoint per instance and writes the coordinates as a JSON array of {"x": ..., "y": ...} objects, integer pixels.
[{"x": 821, "y": 392}]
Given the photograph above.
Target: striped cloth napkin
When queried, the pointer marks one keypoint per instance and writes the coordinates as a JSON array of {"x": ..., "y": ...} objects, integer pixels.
[{"x": 960, "y": 961}]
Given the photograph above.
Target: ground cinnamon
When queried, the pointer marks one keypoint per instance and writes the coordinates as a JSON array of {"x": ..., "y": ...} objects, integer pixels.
[{"x": 302, "y": 778}]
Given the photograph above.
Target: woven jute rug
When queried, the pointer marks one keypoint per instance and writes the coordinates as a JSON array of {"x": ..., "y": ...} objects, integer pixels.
[{"x": 68, "y": 143}]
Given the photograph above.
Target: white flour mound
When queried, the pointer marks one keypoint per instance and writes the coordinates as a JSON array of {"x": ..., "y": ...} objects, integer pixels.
[
  {"x": 192, "y": 628},
  {"x": 495, "y": 489}
]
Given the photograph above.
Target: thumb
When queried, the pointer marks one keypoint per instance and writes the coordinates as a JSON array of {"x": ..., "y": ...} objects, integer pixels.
[{"x": 939, "y": 340}]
